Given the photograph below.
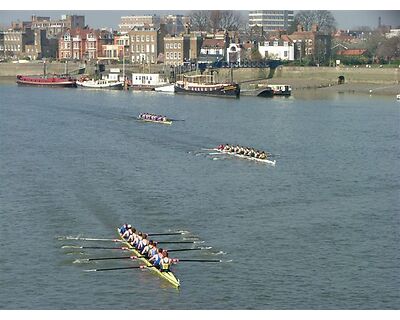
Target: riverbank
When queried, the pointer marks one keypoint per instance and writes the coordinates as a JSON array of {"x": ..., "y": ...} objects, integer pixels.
[{"x": 376, "y": 81}]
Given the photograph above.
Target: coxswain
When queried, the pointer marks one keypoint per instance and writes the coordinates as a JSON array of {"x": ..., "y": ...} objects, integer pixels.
[
  {"x": 156, "y": 259},
  {"x": 123, "y": 228},
  {"x": 165, "y": 262},
  {"x": 263, "y": 155}
]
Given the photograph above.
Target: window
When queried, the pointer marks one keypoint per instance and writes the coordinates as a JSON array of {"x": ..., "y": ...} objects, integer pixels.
[
  {"x": 137, "y": 38},
  {"x": 147, "y": 38},
  {"x": 167, "y": 46},
  {"x": 179, "y": 45}
]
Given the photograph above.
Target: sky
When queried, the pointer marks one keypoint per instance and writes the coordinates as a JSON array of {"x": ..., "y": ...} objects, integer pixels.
[{"x": 109, "y": 16}]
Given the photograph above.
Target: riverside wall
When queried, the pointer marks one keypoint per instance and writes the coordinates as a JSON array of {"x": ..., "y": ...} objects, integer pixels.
[{"x": 249, "y": 78}]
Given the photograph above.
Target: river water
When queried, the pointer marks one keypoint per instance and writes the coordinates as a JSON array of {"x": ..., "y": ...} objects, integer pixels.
[{"x": 320, "y": 230}]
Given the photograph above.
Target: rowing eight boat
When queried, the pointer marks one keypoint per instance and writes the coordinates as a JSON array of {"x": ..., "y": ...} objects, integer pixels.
[
  {"x": 167, "y": 275},
  {"x": 155, "y": 121},
  {"x": 271, "y": 162}
]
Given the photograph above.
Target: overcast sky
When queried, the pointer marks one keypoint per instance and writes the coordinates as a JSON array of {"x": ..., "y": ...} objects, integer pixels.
[{"x": 97, "y": 19}]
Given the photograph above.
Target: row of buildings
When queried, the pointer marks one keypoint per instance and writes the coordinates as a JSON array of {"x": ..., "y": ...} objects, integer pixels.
[{"x": 166, "y": 39}]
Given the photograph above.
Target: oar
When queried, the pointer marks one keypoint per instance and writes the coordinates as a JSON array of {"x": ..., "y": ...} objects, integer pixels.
[
  {"x": 119, "y": 268},
  {"x": 167, "y": 234},
  {"x": 81, "y": 247},
  {"x": 195, "y": 260},
  {"x": 88, "y": 239},
  {"x": 180, "y": 241},
  {"x": 109, "y": 258},
  {"x": 176, "y": 119},
  {"x": 189, "y": 249}
]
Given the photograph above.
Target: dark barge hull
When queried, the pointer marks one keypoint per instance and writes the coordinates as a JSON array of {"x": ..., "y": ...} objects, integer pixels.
[{"x": 233, "y": 91}]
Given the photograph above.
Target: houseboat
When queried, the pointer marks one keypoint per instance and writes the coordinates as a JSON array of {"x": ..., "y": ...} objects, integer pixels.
[
  {"x": 112, "y": 80},
  {"x": 205, "y": 85},
  {"x": 275, "y": 90},
  {"x": 47, "y": 80},
  {"x": 52, "y": 81},
  {"x": 148, "y": 81}
]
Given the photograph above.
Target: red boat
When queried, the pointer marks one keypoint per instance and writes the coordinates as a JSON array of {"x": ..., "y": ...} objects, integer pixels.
[{"x": 48, "y": 82}]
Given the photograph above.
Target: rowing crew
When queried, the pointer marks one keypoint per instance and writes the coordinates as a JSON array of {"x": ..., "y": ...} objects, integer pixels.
[
  {"x": 153, "y": 117},
  {"x": 147, "y": 248},
  {"x": 250, "y": 152}
]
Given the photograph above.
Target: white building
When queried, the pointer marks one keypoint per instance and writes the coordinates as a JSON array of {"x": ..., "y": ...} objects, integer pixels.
[
  {"x": 281, "y": 50},
  {"x": 393, "y": 33},
  {"x": 148, "y": 79},
  {"x": 233, "y": 53},
  {"x": 271, "y": 20}
]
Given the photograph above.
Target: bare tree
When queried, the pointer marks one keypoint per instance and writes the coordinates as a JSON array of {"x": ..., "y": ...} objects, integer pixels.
[
  {"x": 389, "y": 49},
  {"x": 215, "y": 20},
  {"x": 323, "y": 18},
  {"x": 200, "y": 20},
  {"x": 230, "y": 20}
]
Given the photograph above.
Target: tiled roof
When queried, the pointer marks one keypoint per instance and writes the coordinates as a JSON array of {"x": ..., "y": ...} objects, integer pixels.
[
  {"x": 213, "y": 43},
  {"x": 352, "y": 52}
]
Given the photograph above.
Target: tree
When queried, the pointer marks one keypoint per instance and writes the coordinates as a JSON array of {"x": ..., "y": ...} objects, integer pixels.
[
  {"x": 230, "y": 20},
  {"x": 255, "y": 55},
  {"x": 374, "y": 40},
  {"x": 307, "y": 18},
  {"x": 200, "y": 20},
  {"x": 389, "y": 49},
  {"x": 215, "y": 20}
]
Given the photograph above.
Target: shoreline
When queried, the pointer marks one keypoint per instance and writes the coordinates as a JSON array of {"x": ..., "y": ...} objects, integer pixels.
[{"x": 383, "y": 89}]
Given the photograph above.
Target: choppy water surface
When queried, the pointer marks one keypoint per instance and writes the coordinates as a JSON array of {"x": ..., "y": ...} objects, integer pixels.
[{"x": 318, "y": 231}]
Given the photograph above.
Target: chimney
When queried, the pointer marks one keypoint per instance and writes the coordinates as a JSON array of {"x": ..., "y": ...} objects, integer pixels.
[
  {"x": 314, "y": 28},
  {"x": 379, "y": 22},
  {"x": 300, "y": 28},
  {"x": 187, "y": 28}
]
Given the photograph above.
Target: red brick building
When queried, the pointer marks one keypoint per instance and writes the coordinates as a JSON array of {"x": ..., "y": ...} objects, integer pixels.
[{"x": 82, "y": 44}]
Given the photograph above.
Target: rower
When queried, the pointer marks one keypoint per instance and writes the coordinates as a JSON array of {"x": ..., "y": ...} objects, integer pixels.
[
  {"x": 147, "y": 248},
  {"x": 165, "y": 262},
  {"x": 132, "y": 236},
  {"x": 152, "y": 251},
  {"x": 263, "y": 155},
  {"x": 221, "y": 147},
  {"x": 137, "y": 239},
  {"x": 127, "y": 232},
  {"x": 143, "y": 242},
  {"x": 156, "y": 259}
]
